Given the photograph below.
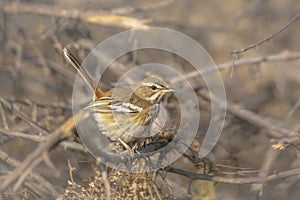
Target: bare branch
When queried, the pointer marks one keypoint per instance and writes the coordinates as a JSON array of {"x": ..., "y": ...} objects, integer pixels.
[
  {"x": 3, "y": 117},
  {"x": 40, "y": 138},
  {"x": 136, "y": 8},
  {"x": 93, "y": 17},
  {"x": 282, "y": 56},
  {"x": 267, "y": 39},
  {"x": 274, "y": 127},
  {"x": 55, "y": 137},
  {"x": 267, "y": 165},
  {"x": 234, "y": 180},
  {"x": 23, "y": 116},
  {"x": 105, "y": 178},
  {"x": 34, "y": 175}
]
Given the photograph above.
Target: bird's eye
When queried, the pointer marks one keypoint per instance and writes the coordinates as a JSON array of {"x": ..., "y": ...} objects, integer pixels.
[{"x": 153, "y": 87}]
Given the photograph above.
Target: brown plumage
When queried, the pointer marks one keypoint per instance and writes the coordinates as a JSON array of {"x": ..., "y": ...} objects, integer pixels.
[{"x": 124, "y": 113}]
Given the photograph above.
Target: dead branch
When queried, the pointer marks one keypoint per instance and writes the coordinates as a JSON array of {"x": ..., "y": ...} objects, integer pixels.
[
  {"x": 64, "y": 131},
  {"x": 93, "y": 17},
  {"x": 34, "y": 175},
  {"x": 137, "y": 8},
  {"x": 270, "y": 37},
  {"x": 266, "y": 167},
  {"x": 39, "y": 138},
  {"x": 29, "y": 102},
  {"x": 26, "y": 172},
  {"x": 3, "y": 117},
  {"x": 234, "y": 180},
  {"x": 279, "y": 57},
  {"x": 23, "y": 116},
  {"x": 106, "y": 182},
  {"x": 274, "y": 127}
]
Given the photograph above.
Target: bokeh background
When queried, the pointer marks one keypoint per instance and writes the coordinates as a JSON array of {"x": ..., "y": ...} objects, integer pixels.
[{"x": 35, "y": 77}]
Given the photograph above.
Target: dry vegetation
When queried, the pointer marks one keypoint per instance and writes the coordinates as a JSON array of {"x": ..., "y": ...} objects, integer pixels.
[{"x": 257, "y": 155}]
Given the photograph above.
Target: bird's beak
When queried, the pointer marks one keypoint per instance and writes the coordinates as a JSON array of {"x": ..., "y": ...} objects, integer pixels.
[{"x": 167, "y": 90}]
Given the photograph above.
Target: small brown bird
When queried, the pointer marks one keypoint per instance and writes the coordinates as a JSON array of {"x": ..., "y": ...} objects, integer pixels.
[{"x": 124, "y": 113}]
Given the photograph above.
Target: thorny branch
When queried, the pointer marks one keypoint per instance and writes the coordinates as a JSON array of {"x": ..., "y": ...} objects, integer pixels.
[
  {"x": 279, "y": 57},
  {"x": 270, "y": 37}
]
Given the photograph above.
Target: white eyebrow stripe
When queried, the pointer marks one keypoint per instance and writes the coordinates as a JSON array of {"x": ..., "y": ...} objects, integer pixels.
[{"x": 151, "y": 84}]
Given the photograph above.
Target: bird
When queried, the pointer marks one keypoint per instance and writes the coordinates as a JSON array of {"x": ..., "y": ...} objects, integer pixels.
[{"x": 124, "y": 113}]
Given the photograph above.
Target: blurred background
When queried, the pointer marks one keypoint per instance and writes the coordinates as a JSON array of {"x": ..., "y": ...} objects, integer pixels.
[{"x": 35, "y": 77}]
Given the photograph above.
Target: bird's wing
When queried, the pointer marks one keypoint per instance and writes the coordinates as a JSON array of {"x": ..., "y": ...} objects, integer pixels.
[{"x": 108, "y": 105}]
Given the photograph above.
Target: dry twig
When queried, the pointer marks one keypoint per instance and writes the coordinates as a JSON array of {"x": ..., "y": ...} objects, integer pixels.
[
  {"x": 40, "y": 138},
  {"x": 23, "y": 116},
  {"x": 3, "y": 117},
  {"x": 136, "y": 8},
  {"x": 274, "y": 127},
  {"x": 94, "y": 17},
  {"x": 266, "y": 167},
  {"x": 279, "y": 57},
  {"x": 34, "y": 175},
  {"x": 270, "y": 37},
  {"x": 234, "y": 180},
  {"x": 33, "y": 158}
]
